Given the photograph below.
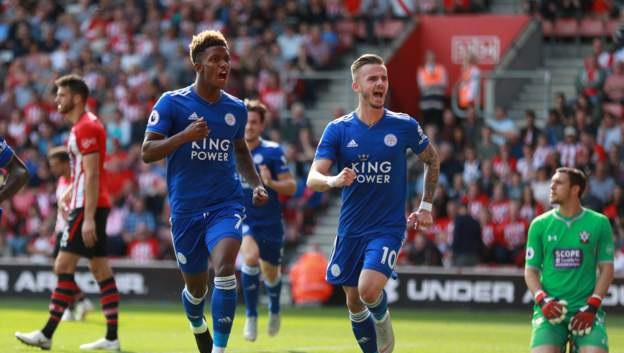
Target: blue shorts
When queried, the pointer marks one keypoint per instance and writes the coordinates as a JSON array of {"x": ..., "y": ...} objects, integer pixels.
[
  {"x": 351, "y": 255},
  {"x": 270, "y": 240},
  {"x": 195, "y": 237}
]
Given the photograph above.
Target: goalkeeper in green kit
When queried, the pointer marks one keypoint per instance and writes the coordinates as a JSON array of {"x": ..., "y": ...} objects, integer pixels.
[{"x": 565, "y": 247}]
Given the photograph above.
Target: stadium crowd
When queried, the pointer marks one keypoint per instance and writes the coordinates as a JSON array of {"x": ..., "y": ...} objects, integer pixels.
[
  {"x": 129, "y": 52},
  {"x": 494, "y": 176},
  {"x": 495, "y": 173}
]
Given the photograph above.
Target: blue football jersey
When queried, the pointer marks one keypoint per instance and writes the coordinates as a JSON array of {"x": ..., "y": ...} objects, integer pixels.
[
  {"x": 201, "y": 175},
  {"x": 6, "y": 153},
  {"x": 375, "y": 202},
  {"x": 270, "y": 154}
]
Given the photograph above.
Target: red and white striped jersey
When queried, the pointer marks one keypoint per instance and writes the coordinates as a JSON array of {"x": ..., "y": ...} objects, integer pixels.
[{"x": 87, "y": 136}]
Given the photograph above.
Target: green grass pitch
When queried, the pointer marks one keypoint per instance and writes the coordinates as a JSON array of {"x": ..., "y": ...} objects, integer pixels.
[{"x": 160, "y": 328}]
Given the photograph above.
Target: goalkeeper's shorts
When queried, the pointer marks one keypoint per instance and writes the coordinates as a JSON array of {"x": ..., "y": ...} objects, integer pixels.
[{"x": 546, "y": 334}]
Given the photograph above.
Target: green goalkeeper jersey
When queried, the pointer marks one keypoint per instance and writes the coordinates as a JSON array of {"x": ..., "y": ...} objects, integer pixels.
[{"x": 567, "y": 252}]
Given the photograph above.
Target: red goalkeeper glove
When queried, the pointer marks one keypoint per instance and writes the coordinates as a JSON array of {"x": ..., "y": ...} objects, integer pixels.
[
  {"x": 554, "y": 310},
  {"x": 583, "y": 321}
]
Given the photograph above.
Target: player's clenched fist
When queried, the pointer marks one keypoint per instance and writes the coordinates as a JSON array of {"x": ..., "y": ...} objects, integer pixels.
[
  {"x": 583, "y": 321},
  {"x": 196, "y": 130},
  {"x": 260, "y": 196},
  {"x": 344, "y": 178},
  {"x": 420, "y": 219},
  {"x": 554, "y": 310}
]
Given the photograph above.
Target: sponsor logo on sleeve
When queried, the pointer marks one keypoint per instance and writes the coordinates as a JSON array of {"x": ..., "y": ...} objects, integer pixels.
[
  {"x": 88, "y": 142},
  {"x": 154, "y": 118}
]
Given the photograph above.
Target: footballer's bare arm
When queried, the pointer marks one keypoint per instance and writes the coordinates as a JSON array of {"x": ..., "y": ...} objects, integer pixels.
[
  {"x": 244, "y": 163},
  {"x": 16, "y": 178},
  {"x": 247, "y": 169},
  {"x": 320, "y": 180},
  {"x": 156, "y": 146},
  {"x": 432, "y": 171}
]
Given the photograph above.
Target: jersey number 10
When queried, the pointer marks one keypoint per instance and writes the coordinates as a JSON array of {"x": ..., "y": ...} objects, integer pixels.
[{"x": 389, "y": 256}]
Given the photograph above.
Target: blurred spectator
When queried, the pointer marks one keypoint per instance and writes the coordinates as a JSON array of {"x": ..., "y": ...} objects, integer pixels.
[
  {"x": 614, "y": 84},
  {"x": 601, "y": 182},
  {"x": 472, "y": 166},
  {"x": 529, "y": 206},
  {"x": 561, "y": 105},
  {"x": 469, "y": 82},
  {"x": 541, "y": 186},
  {"x": 515, "y": 234},
  {"x": 503, "y": 126},
  {"x": 144, "y": 246},
  {"x": 529, "y": 133},
  {"x": 307, "y": 279},
  {"x": 554, "y": 127},
  {"x": 590, "y": 80},
  {"x": 467, "y": 245},
  {"x": 472, "y": 126},
  {"x": 610, "y": 132},
  {"x": 569, "y": 148},
  {"x": 486, "y": 149},
  {"x": 422, "y": 251},
  {"x": 432, "y": 82}
]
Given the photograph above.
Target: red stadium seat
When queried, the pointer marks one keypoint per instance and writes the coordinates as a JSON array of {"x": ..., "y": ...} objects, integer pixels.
[
  {"x": 566, "y": 28},
  {"x": 612, "y": 27},
  {"x": 590, "y": 28},
  {"x": 548, "y": 28},
  {"x": 346, "y": 26},
  {"x": 389, "y": 29}
]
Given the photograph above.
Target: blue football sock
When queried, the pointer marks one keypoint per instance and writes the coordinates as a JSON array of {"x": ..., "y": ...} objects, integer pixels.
[
  {"x": 251, "y": 282},
  {"x": 273, "y": 291},
  {"x": 379, "y": 307},
  {"x": 223, "y": 307},
  {"x": 194, "y": 308},
  {"x": 364, "y": 330}
]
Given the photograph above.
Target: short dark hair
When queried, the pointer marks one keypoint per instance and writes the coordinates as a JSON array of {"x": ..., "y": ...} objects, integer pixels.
[
  {"x": 254, "y": 105},
  {"x": 204, "y": 40},
  {"x": 576, "y": 176},
  {"x": 59, "y": 152},
  {"x": 365, "y": 59},
  {"x": 75, "y": 83}
]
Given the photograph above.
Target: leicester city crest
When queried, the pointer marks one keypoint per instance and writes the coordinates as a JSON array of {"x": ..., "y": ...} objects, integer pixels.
[{"x": 584, "y": 237}]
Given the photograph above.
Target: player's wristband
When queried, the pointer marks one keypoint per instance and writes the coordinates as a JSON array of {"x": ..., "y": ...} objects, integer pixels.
[
  {"x": 540, "y": 295},
  {"x": 424, "y": 205},
  {"x": 594, "y": 302}
]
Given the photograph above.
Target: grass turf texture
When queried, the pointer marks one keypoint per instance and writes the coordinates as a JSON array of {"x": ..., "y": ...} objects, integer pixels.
[{"x": 160, "y": 328}]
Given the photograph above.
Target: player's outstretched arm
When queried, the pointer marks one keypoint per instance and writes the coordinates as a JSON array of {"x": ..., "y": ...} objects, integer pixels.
[
  {"x": 319, "y": 180},
  {"x": 247, "y": 169},
  {"x": 16, "y": 178},
  {"x": 156, "y": 146}
]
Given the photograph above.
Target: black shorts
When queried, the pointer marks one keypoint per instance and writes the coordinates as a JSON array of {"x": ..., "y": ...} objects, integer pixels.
[
  {"x": 72, "y": 235},
  {"x": 57, "y": 244}
]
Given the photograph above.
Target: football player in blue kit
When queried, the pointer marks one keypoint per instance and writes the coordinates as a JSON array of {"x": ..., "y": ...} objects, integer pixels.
[
  {"x": 200, "y": 129},
  {"x": 369, "y": 147},
  {"x": 263, "y": 231},
  {"x": 16, "y": 172}
]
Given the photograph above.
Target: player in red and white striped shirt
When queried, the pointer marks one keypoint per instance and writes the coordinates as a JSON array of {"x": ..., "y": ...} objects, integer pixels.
[{"x": 85, "y": 233}]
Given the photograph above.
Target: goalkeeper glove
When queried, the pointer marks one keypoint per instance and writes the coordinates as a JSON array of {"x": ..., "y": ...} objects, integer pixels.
[
  {"x": 583, "y": 321},
  {"x": 554, "y": 310}
]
